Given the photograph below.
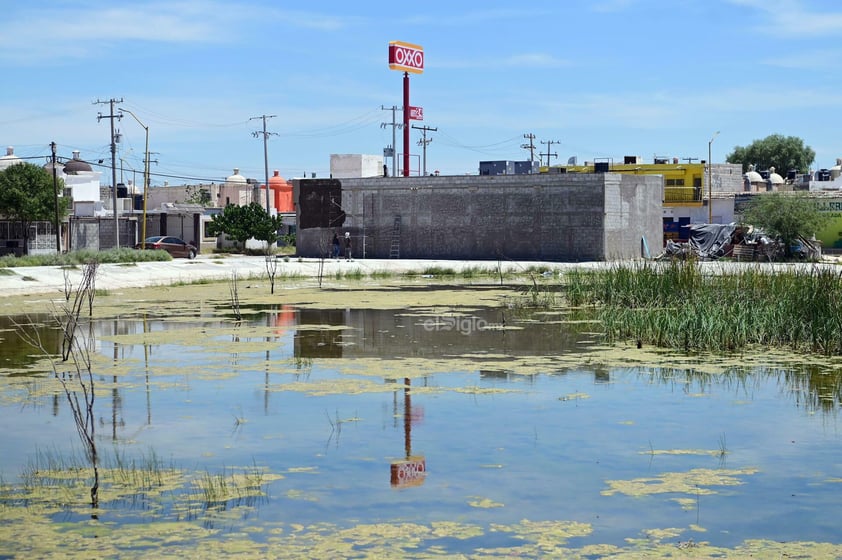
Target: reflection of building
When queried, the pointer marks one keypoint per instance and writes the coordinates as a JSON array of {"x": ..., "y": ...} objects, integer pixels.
[{"x": 389, "y": 333}]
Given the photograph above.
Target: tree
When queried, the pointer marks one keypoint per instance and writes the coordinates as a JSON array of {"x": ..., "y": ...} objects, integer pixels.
[
  {"x": 242, "y": 223},
  {"x": 786, "y": 215},
  {"x": 781, "y": 152},
  {"x": 198, "y": 195},
  {"x": 28, "y": 194}
]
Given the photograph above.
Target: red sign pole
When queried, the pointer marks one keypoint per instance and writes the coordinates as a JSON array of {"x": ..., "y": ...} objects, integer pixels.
[
  {"x": 407, "y": 58},
  {"x": 406, "y": 124}
]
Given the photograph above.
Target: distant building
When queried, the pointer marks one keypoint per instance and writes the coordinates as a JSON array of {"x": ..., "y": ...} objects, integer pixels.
[
  {"x": 82, "y": 184},
  {"x": 585, "y": 217},
  {"x": 505, "y": 167},
  {"x": 355, "y": 166},
  {"x": 9, "y": 159}
]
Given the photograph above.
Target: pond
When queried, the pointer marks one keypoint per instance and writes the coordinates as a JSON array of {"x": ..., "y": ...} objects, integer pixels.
[{"x": 356, "y": 423}]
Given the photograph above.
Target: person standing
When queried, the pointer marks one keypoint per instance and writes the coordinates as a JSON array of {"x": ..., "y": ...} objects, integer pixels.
[
  {"x": 335, "y": 246},
  {"x": 347, "y": 246}
]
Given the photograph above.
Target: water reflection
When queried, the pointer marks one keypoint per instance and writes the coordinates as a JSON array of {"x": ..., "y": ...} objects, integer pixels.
[
  {"x": 411, "y": 470},
  {"x": 394, "y": 334},
  {"x": 504, "y": 441},
  {"x": 325, "y": 334}
]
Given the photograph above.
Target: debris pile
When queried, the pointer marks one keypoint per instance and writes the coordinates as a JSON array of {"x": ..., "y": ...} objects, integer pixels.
[{"x": 740, "y": 242}]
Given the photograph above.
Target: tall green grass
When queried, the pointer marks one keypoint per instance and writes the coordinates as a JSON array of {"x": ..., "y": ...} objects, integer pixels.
[
  {"x": 676, "y": 306},
  {"x": 73, "y": 258}
]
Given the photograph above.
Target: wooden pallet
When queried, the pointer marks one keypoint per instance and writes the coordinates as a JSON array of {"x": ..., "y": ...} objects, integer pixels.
[{"x": 743, "y": 252}]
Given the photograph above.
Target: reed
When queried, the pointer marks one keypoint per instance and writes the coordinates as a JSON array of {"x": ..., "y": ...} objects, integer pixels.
[{"x": 677, "y": 306}]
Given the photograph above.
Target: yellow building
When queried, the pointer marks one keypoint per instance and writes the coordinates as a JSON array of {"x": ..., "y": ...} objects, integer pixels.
[{"x": 683, "y": 182}]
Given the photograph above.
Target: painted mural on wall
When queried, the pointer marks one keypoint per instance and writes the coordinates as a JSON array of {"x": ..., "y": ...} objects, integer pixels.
[{"x": 831, "y": 235}]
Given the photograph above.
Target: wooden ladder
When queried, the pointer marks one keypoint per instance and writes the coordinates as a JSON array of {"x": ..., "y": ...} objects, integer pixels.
[{"x": 395, "y": 248}]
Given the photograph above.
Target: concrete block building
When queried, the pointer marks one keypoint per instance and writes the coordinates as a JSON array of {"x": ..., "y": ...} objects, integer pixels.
[{"x": 554, "y": 217}]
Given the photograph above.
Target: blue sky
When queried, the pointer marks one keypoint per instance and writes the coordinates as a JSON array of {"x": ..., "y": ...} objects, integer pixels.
[{"x": 602, "y": 78}]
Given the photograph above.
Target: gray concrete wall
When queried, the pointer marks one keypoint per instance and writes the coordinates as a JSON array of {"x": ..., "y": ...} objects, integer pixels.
[
  {"x": 559, "y": 217},
  {"x": 633, "y": 213},
  {"x": 726, "y": 178}
]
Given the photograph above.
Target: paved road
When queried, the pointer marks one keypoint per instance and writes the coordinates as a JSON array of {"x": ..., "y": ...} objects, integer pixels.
[{"x": 51, "y": 279}]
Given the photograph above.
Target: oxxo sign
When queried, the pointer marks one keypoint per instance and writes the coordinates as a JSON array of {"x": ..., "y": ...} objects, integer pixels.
[{"x": 406, "y": 57}]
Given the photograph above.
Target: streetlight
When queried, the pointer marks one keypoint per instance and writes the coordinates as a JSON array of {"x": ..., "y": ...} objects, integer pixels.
[
  {"x": 145, "y": 175},
  {"x": 55, "y": 192},
  {"x": 710, "y": 183}
]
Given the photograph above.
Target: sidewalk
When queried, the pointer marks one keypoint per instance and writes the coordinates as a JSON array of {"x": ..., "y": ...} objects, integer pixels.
[{"x": 51, "y": 279}]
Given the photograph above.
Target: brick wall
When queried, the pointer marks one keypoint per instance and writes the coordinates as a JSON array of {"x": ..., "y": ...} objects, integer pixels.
[{"x": 576, "y": 217}]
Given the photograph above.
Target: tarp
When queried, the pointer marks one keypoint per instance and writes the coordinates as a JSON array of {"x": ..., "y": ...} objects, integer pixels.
[
  {"x": 713, "y": 241},
  {"x": 710, "y": 241}
]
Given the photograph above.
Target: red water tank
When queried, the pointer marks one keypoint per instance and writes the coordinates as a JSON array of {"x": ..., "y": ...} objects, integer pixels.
[{"x": 283, "y": 193}]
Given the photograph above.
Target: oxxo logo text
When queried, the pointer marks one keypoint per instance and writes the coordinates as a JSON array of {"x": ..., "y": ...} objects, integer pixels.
[{"x": 403, "y": 56}]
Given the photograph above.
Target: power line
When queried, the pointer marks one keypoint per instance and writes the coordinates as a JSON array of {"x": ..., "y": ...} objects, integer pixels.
[
  {"x": 395, "y": 125},
  {"x": 548, "y": 154},
  {"x": 530, "y": 146},
  {"x": 265, "y": 150},
  {"x": 111, "y": 116},
  {"x": 424, "y": 141}
]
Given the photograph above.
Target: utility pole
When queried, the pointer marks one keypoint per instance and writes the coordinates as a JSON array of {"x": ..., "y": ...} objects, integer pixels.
[
  {"x": 423, "y": 143},
  {"x": 710, "y": 179},
  {"x": 530, "y": 146},
  {"x": 145, "y": 174},
  {"x": 690, "y": 159},
  {"x": 265, "y": 151},
  {"x": 111, "y": 116},
  {"x": 395, "y": 125},
  {"x": 548, "y": 154},
  {"x": 55, "y": 192}
]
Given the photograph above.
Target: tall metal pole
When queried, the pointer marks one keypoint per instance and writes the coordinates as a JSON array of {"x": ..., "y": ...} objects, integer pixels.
[
  {"x": 145, "y": 186},
  {"x": 114, "y": 180},
  {"x": 265, "y": 152},
  {"x": 394, "y": 143},
  {"x": 266, "y": 162},
  {"x": 55, "y": 192},
  {"x": 111, "y": 118},
  {"x": 394, "y": 139},
  {"x": 145, "y": 175},
  {"x": 423, "y": 142},
  {"x": 710, "y": 182},
  {"x": 406, "y": 124}
]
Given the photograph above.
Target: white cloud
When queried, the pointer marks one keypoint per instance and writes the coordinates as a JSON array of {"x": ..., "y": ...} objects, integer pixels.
[
  {"x": 794, "y": 18},
  {"x": 816, "y": 60},
  {"x": 30, "y": 35}
]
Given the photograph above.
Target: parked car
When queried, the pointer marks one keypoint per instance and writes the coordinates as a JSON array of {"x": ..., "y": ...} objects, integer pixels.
[{"x": 172, "y": 245}]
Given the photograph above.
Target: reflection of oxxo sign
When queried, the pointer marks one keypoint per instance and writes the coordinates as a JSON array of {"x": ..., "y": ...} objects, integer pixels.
[
  {"x": 410, "y": 472},
  {"x": 406, "y": 57}
]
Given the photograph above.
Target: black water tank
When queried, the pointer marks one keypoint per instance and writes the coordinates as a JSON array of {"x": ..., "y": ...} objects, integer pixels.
[{"x": 600, "y": 167}]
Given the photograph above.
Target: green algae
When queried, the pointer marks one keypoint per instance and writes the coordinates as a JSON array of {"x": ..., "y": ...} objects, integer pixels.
[
  {"x": 191, "y": 535},
  {"x": 483, "y": 503},
  {"x": 695, "y": 481}
]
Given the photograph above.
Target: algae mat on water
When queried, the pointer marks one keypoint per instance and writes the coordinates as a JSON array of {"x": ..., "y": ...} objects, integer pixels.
[{"x": 324, "y": 405}]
